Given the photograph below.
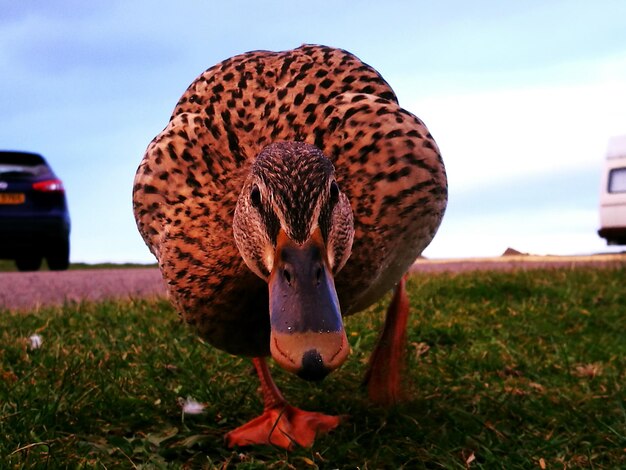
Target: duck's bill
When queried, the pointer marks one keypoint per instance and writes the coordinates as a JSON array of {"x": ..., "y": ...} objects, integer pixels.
[{"x": 307, "y": 335}]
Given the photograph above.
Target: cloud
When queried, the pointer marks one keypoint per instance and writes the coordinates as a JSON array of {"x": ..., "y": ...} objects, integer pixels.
[
  {"x": 496, "y": 136},
  {"x": 524, "y": 163},
  {"x": 535, "y": 231},
  {"x": 45, "y": 43},
  {"x": 13, "y": 12},
  {"x": 550, "y": 213},
  {"x": 516, "y": 94}
]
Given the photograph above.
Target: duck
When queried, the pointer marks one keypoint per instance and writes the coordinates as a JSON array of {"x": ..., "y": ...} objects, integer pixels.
[{"x": 289, "y": 190}]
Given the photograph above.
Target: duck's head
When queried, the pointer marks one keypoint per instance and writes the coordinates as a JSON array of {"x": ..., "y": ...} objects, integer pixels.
[{"x": 294, "y": 229}]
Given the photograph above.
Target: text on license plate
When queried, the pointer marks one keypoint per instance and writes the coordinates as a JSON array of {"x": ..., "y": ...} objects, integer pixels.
[{"x": 12, "y": 198}]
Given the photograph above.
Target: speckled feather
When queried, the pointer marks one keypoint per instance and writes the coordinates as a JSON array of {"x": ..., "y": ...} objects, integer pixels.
[{"x": 187, "y": 185}]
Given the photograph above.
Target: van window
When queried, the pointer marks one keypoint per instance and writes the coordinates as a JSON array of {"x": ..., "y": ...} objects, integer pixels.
[{"x": 617, "y": 180}]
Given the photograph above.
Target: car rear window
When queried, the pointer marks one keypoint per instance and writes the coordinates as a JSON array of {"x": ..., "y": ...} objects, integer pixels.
[
  {"x": 617, "y": 180},
  {"x": 21, "y": 158},
  {"x": 22, "y": 164}
]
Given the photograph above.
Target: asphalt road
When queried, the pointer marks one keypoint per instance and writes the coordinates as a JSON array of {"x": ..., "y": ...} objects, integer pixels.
[
  {"x": 27, "y": 291},
  {"x": 31, "y": 290},
  {"x": 513, "y": 262}
]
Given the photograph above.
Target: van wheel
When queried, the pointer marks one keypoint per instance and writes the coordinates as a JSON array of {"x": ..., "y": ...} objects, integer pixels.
[{"x": 28, "y": 263}]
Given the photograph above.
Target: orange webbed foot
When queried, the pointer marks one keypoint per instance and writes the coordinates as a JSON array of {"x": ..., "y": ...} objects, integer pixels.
[{"x": 283, "y": 426}]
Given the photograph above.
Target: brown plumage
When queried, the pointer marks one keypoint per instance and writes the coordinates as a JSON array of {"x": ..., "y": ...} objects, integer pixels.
[{"x": 345, "y": 161}]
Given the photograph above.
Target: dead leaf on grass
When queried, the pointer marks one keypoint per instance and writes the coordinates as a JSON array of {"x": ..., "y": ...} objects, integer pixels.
[
  {"x": 493, "y": 428},
  {"x": 588, "y": 371},
  {"x": 515, "y": 391},
  {"x": 420, "y": 349},
  {"x": 308, "y": 461},
  {"x": 509, "y": 371},
  {"x": 8, "y": 376}
]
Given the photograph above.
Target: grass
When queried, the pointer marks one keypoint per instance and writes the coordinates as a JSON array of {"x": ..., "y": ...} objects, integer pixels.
[{"x": 505, "y": 370}]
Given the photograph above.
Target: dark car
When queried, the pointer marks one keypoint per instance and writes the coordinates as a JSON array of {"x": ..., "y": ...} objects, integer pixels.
[{"x": 34, "y": 219}]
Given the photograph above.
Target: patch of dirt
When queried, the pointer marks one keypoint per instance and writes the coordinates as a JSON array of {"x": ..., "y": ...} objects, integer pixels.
[{"x": 512, "y": 252}]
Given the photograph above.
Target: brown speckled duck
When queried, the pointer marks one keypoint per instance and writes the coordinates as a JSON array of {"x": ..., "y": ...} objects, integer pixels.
[{"x": 289, "y": 189}]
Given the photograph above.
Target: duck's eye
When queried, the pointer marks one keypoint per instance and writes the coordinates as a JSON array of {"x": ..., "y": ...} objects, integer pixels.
[
  {"x": 334, "y": 192},
  {"x": 255, "y": 196}
]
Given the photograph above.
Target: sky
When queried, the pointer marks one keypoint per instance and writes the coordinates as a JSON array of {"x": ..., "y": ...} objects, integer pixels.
[{"x": 521, "y": 98}]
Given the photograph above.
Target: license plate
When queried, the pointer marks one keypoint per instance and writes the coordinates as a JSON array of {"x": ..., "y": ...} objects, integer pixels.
[{"x": 12, "y": 198}]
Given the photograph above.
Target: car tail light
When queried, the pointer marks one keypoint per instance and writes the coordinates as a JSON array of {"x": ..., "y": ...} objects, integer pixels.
[{"x": 49, "y": 186}]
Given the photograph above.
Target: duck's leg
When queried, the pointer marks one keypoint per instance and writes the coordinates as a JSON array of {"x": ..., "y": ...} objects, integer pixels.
[
  {"x": 280, "y": 424},
  {"x": 386, "y": 362}
]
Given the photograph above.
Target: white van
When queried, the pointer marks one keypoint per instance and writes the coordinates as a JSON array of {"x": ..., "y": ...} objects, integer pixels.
[{"x": 613, "y": 193}]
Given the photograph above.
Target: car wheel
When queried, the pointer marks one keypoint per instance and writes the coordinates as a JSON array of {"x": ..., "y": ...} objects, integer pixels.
[
  {"x": 28, "y": 263},
  {"x": 59, "y": 256}
]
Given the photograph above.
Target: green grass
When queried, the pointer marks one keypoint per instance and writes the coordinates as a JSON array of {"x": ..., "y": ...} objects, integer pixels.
[{"x": 505, "y": 370}]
